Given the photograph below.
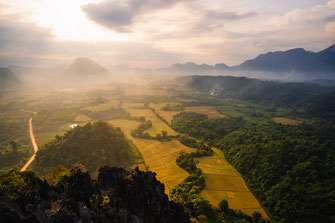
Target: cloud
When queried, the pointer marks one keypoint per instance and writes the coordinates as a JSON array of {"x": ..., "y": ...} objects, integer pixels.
[
  {"x": 20, "y": 37},
  {"x": 230, "y": 16},
  {"x": 23, "y": 43},
  {"x": 157, "y": 33},
  {"x": 303, "y": 27},
  {"x": 119, "y": 15}
]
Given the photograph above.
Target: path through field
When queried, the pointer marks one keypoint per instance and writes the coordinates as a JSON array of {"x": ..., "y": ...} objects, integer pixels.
[{"x": 33, "y": 141}]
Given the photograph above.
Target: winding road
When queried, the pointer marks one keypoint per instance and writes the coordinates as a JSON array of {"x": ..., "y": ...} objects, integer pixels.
[{"x": 33, "y": 141}]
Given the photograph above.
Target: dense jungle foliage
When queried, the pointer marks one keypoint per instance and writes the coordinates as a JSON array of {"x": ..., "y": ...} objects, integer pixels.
[{"x": 289, "y": 168}]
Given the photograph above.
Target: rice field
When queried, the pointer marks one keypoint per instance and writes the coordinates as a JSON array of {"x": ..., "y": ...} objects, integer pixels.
[
  {"x": 102, "y": 107},
  {"x": 167, "y": 115},
  {"x": 286, "y": 121},
  {"x": 125, "y": 125},
  {"x": 144, "y": 91},
  {"x": 159, "y": 156},
  {"x": 224, "y": 182},
  {"x": 222, "y": 179},
  {"x": 82, "y": 118},
  {"x": 210, "y": 111},
  {"x": 157, "y": 124}
]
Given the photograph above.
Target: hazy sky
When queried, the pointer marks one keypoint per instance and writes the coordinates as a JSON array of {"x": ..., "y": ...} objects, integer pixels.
[{"x": 157, "y": 33}]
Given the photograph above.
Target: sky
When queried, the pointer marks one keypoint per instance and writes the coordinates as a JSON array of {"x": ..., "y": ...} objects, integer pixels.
[{"x": 158, "y": 33}]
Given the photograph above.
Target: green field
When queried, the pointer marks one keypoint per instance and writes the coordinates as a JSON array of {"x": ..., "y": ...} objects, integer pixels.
[{"x": 252, "y": 112}]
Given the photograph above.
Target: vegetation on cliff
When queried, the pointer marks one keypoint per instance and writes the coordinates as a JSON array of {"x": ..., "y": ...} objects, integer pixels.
[{"x": 116, "y": 195}]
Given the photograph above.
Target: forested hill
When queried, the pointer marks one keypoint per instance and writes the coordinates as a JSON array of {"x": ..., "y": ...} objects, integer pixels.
[
  {"x": 305, "y": 96},
  {"x": 92, "y": 145}
]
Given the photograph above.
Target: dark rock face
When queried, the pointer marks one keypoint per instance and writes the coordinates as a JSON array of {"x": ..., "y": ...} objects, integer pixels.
[{"x": 116, "y": 196}]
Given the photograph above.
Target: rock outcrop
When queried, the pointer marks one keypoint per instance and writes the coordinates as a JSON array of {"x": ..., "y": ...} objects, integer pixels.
[{"x": 116, "y": 196}]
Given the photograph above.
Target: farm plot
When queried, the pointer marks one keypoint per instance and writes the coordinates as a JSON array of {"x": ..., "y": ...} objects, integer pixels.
[
  {"x": 167, "y": 115},
  {"x": 157, "y": 125},
  {"x": 144, "y": 91},
  {"x": 224, "y": 182},
  {"x": 82, "y": 118},
  {"x": 102, "y": 107},
  {"x": 125, "y": 125},
  {"x": 210, "y": 111},
  {"x": 286, "y": 121}
]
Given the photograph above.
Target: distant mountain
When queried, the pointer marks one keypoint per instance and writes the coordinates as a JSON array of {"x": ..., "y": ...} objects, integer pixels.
[
  {"x": 221, "y": 66},
  {"x": 257, "y": 91},
  {"x": 8, "y": 79},
  {"x": 299, "y": 61},
  {"x": 294, "y": 64},
  {"x": 85, "y": 71},
  {"x": 190, "y": 67}
]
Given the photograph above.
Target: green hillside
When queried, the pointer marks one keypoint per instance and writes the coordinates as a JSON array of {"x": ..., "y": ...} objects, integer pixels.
[{"x": 93, "y": 145}]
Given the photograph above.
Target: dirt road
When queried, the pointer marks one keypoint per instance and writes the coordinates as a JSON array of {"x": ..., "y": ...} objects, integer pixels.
[{"x": 32, "y": 137}]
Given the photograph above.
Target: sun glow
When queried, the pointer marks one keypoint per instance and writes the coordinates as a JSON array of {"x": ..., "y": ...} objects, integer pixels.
[{"x": 67, "y": 21}]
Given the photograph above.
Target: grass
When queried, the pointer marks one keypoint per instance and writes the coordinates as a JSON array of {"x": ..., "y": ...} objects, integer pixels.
[
  {"x": 210, "y": 111},
  {"x": 224, "y": 182}
]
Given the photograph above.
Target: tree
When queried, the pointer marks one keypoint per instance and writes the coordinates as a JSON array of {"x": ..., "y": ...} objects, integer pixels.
[
  {"x": 164, "y": 134},
  {"x": 256, "y": 216},
  {"x": 14, "y": 146},
  {"x": 224, "y": 206}
]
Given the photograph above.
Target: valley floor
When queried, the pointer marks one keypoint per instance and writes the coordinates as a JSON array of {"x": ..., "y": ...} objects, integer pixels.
[{"x": 223, "y": 181}]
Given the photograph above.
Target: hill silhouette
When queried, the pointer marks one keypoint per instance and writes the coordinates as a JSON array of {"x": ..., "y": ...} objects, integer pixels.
[
  {"x": 8, "y": 79},
  {"x": 84, "y": 71}
]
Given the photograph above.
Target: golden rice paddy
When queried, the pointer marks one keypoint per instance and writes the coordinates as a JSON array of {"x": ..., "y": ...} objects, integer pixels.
[
  {"x": 224, "y": 182},
  {"x": 210, "y": 111}
]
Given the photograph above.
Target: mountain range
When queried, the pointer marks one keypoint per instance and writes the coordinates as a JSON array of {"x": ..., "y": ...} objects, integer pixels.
[
  {"x": 291, "y": 65},
  {"x": 294, "y": 64}
]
